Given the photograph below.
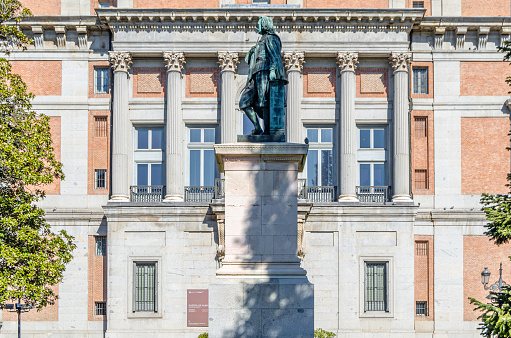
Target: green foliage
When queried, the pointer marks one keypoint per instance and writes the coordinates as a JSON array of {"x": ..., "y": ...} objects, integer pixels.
[
  {"x": 496, "y": 316},
  {"x": 320, "y": 333},
  {"x": 32, "y": 258},
  {"x": 203, "y": 335},
  {"x": 498, "y": 212}
]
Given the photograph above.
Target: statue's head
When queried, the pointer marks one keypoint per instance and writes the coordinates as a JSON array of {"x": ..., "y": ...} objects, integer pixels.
[{"x": 265, "y": 25}]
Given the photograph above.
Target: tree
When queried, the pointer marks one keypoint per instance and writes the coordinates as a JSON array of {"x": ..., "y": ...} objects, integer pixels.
[
  {"x": 32, "y": 257},
  {"x": 496, "y": 315}
]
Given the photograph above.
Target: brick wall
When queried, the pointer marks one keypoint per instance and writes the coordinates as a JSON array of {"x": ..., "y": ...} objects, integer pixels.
[
  {"x": 49, "y": 313},
  {"x": 478, "y": 253},
  {"x": 55, "y": 130},
  {"x": 424, "y": 278},
  {"x": 91, "y": 78},
  {"x": 423, "y": 153},
  {"x": 484, "y": 158},
  {"x": 372, "y": 82},
  {"x": 347, "y": 3},
  {"x": 202, "y": 81},
  {"x": 319, "y": 81},
  {"x": 479, "y": 78},
  {"x": 486, "y": 8},
  {"x": 98, "y": 149},
  {"x": 427, "y": 5},
  {"x": 95, "y": 4},
  {"x": 149, "y": 82},
  {"x": 42, "y": 77},
  {"x": 175, "y": 3},
  {"x": 97, "y": 280},
  {"x": 429, "y": 66},
  {"x": 43, "y": 7}
]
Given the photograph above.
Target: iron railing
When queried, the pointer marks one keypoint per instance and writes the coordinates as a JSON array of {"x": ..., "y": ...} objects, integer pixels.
[
  {"x": 373, "y": 194},
  {"x": 147, "y": 193},
  {"x": 316, "y": 193},
  {"x": 199, "y": 194}
]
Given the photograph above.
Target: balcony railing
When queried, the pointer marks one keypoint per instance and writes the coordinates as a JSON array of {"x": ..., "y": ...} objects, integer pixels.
[
  {"x": 205, "y": 193},
  {"x": 316, "y": 193},
  {"x": 147, "y": 193},
  {"x": 373, "y": 194}
]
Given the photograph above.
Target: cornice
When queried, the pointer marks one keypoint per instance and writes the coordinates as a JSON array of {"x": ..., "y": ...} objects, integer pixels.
[
  {"x": 463, "y": 23},
  {"x": 68, "y": 22}
]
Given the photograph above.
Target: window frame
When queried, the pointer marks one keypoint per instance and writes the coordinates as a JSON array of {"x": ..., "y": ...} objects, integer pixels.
[
  {"x": 425, "y": 314},
  {"x": 416, "y": 90},
  {"x": 389, "y": 260},
  {"x": 373, "y": 155},
  {"x": 104, "y": 85},
  {"x": 97, "y": 179},
  {"x": 103, "y": 247},
  {"x": 131, "y": 287},
  {"x": 96, "y": 308},
  {"x": 150, "y": 155},
  {"x": 319, "y": 146},
  {"x": 201, "y": 146}
]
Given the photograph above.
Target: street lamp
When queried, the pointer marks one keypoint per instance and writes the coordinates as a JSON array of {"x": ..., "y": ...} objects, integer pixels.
[
  {"x": 495, "y": 287},
  {"x": 18, "y": 307}
]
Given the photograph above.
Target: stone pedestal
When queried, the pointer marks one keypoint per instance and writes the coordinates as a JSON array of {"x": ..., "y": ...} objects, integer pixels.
[{"x": 261, "y": 290}]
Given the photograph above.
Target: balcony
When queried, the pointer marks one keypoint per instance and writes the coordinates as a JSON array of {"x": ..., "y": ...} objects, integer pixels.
[
  {"x": 374, "y": 194},
  {"x": 147, "y": 193},
  {"x": 316, "y": 193},
  {"x": 205, "y": 193}
]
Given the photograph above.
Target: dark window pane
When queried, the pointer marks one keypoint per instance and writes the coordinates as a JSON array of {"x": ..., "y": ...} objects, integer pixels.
[
  {"x": 195, "y": 135},
  {"x": 209, "y": 167},
  {"x": 209, "y": 135},
  {"x": 365, "y": 138},
  {"x": 327, "y": 168},
  {"x": 312, "y": 135},
  {"x": 312, "y": 168},
  {"x": 157, "y": 139},
  {"x": 156, "y": 174},
  {"x": 195, "y": 166},
  {"x": 365, "y": 175},
  {"x": 143, "y": 136},
  {"x": 379, "y": 175},
  {"x": 142, "y": 176},
  {"x": 326, "y": 135},
  {"x": 379, "y": 138}
]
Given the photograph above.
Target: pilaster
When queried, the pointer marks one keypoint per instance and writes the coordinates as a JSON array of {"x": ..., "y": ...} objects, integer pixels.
[
  {"x": 293, "y": 61},
  {"x": 228, "y": 62}
]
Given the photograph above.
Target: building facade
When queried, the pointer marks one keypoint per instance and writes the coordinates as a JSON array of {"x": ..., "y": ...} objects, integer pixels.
[{"x": 404, "y": 106}]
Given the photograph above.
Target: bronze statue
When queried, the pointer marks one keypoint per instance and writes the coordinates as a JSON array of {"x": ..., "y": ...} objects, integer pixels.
[{"x": 263, "y": 95}]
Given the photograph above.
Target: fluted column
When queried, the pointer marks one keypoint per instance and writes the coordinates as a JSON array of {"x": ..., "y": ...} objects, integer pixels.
[
  {"x": 120, "y": 62},
  {"x": 401, "y": 188},
  {"x": 228, "y": 64},
  {"x": 347, "y": 132},
  {"x": 294, "y": 64},
  {"x": 175, "y": 128}
]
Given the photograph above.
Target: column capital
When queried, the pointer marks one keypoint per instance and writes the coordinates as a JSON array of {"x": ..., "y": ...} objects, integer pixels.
[
  {"x": 120, "y": 61},
  {"x": 293, "y": 61},
  {"x": 401, "y": 61},
  {"x": 174, "y": 61},
  {"x": 228, "y": 61},
  {"x": 347, "y": 61}
]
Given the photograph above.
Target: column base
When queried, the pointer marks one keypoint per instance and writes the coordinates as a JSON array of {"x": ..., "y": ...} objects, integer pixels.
[
  {"x": 119, "y": 198},
  {"x": 348, "y": 198},
  {"x": 174, "y": 198},
  {"x": 402, "y": 199}
]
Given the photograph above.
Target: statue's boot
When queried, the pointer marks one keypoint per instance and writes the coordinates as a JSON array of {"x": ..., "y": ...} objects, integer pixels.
[{"x": 252, "y": 116}]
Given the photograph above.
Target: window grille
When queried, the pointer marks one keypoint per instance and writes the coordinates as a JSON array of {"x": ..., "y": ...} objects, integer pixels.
[
  {"x": 100, "y": 308},
  {"x": 421, "y": 308},
  {"x": 100, "y": 126},
  {"x": 101, "y": 80},
  {"x": 145, "y": 281},
  {"x": 421, "y": 248},
  {"x": 421, "y": 179},
  {"x": 376, "y": 287},
  {"x": 420, "y": 80},
  {"x": 418, "y": 4},
  {"x": 261, "y": 1},
  {"x": 100, "y": 245},
  {"x": 421, "y": 126},
  {"x": 100, "y": 179}
]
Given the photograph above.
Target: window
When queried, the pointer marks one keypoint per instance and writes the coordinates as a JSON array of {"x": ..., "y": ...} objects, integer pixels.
[
  {"x": 376, "y": 295},
  {"x": 104, "y": 3},
  {"x": 144, "y": 287},
  {"x": 420, "y": 80},
  {"x": 100, "y": 179},
  {"x": 202, "y": 162},
  {"x": 421, "y": 248},
  {"x": 421, "y": 126},
  {"x": 100, "y": 308},
  {"x": 101, "y": 80},
  {"x": 418, "y": 4},
  {"x": 149, "y": 166},
  {"x": 261, "y": 1},
  {"x": 421, "y": 179},
  {"x": 100, "y": 245},
  {"x": 100, "y": 126},
  {"x": 320, "y": 163},
  {"x": 372, "y": 156},
  {"x": 421, "y": 308}
]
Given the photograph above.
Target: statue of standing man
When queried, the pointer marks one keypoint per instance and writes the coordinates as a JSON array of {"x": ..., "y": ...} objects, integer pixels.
[{"x": 263, "y": 94}]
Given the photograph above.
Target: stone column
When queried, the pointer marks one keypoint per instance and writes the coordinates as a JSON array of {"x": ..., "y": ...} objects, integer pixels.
[
  {"x": 401, "y": 188},
  {"x": 121, "y": 62},
  {"x": 228, "y": 128},
  {"x": 347, "y": 178},
  {"x": 294, "y": 64},
  {"x": 175, "y": 128}
]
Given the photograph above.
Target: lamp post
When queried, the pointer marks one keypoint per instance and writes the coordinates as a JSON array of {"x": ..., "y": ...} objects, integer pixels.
[
  {"x": 495, "y": 287},
  {"x": 18, "y": 307}
]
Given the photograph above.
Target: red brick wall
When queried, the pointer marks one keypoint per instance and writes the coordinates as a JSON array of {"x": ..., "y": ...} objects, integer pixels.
[
  {"x": 42, "y": 7},
  {"x": 42, "y": 77},
  {"x": 424, "y": 278},
  {"x": 372, "y": 82},
  {"x": 202, "y": 81},
  {"x": 175, "y": 3},
  {"x": 91, "y": 78},
  {"x": 49, "y": 313},
  {"x": 486, "y": 8},
  {"x": 149, "y": 82},
  {"x": 347, "y": 3},
  {"x": 319, "y": 81},
  {"x": 479, "y": 78},
  {"x": 484, "y": 158},
  {"x": 429, "y": 66},
  {"x": 97, "y": 280},
  {"x": 98, "y": 152},
  {"x": 55, "y": 130},
  {"x": 478, "y": 253},
  {"x": 423, "y": 152}
]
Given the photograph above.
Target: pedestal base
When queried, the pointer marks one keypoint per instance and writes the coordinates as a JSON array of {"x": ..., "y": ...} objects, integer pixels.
[
  {"x": 119, "y": 198},
  {"x": 173, "y": 198},
  {"x": 402, "y": 199},
  {"x": 269, "y": 308},
  {"x": 348, "y": 198}
]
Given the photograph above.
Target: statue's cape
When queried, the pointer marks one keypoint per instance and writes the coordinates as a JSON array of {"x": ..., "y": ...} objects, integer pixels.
[{"x": 273, "y": 47}]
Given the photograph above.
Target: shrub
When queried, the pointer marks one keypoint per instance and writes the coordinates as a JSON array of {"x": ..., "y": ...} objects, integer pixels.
[
  {"x": 203, "y": 335},
  {"x": 320, "y": 333}
]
